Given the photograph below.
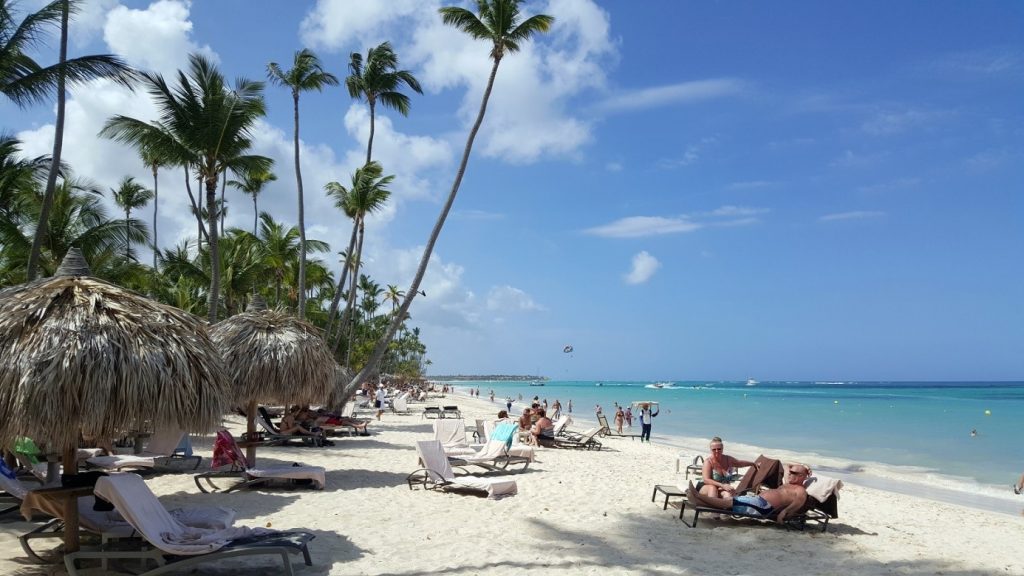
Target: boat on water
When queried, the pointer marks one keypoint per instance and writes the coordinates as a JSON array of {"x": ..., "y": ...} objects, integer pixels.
[
  {"x": 660, "y": 385},
  {"x": 752, "y": 382},
  {"x": 536, "y": 383}
]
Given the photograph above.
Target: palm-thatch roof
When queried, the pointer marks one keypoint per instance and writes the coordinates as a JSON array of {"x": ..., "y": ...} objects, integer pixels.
[
  {"x": 273, "y": 357},
  {"x": 82, "y": 354}
]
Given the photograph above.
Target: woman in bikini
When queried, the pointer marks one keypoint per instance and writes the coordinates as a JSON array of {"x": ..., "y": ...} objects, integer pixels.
[{"x": 720, "y": 471}]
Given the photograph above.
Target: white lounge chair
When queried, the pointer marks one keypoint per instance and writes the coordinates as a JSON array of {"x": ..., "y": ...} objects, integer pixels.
[
  {"x": 160, "y": 452},
  {"x": 176, "y": 545},
  {"x": 451, "y": 433},
  {"x": 437, "y": 473},
  {"x": 226, "y": 452},
  {"x": 400, "y": 405},
  {"x": 493, "y": 456}
]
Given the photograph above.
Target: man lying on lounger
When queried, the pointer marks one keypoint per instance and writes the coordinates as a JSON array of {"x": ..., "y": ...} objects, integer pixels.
[{"x": 782, "y": 501}]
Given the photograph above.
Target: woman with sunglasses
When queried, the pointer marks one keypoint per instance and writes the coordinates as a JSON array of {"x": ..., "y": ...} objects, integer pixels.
[{"x": 720, "y": 471}]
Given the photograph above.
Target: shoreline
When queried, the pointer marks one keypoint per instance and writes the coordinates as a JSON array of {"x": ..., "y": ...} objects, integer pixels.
[
  {"x": 576, "y": 512},
  {"x": 905, "y": 480}
]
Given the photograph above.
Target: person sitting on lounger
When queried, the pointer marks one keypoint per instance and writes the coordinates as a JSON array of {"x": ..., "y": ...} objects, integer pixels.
[
  {"x": 543, "y": 430},
  {"x": 781, "y": 502},
  {"x": 290, "y": 425},
  {"x": 720, "y": 471}
]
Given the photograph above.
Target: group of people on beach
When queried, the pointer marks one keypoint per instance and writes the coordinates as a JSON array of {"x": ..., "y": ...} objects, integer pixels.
[{"x": 716, "y": 487}]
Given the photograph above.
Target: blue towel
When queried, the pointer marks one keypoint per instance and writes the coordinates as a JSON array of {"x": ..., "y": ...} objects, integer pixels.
[{"x": 505, "y": 431}]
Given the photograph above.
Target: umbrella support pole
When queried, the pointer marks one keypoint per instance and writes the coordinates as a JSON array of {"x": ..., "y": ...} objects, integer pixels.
[{"x": 250, "y": 429}]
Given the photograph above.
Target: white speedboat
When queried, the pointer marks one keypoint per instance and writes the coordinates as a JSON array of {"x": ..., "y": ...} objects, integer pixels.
[{"x": 752, "y": 382}]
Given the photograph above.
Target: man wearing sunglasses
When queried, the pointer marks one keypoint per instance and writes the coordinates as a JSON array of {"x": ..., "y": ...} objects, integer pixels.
[{"x": 781, "y": 502}]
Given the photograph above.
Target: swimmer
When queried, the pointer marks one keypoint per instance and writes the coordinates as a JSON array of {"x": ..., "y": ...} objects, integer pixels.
[{"x": 974, "y": 432}]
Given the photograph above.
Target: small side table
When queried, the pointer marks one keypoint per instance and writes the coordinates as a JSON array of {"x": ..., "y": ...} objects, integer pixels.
[{"x": 67, "y": 498}]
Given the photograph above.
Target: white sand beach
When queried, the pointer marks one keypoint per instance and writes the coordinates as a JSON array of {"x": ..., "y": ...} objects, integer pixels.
[{"x": 577, "y": 512}]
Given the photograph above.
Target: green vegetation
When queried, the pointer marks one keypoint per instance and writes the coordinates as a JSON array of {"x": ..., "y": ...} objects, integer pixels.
[{"x": 203, "y": 130}]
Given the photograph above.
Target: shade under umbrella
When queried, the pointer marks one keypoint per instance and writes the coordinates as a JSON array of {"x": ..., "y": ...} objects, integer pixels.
[
  {"x": 80, "y": 354},
  {"x": 274, "y": 357}
]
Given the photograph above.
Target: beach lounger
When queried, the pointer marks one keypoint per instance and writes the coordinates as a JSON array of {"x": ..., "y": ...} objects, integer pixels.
[
  {"x": 431, "y": 412},
  {"x": 161, "y": 452},
  {"x": 493, "y": 456},
  {"x": 177, "y": 546},
  {"x": 226, "y": 452},
  {"x": 768, "y": 473},
  {"x": 586, "y": 441},
  {"x": 400, "y": 405},
  {"x": 437, "y": 474},
  {"x": 450, "y": 412},
  {"x": 606, "y": 430},
  {"x": 509, "y": 433},
  {"x": 480, "y": 432},
  {"x": 273, "y": 436},
  {"x": 451, "y": 433}
]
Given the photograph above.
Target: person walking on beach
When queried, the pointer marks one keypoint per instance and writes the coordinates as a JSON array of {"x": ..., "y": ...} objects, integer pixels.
[
  {"x": 379, "y": 401},
  {"x": 569, "y": 406},
  {"x": 597, "y": 409},
  {"x": 556, "y": 409},
  {"x": 629, "y": 416},
  {"x": 620, "y": 419},
  {"x": 646, "y": 420},
  {"x": 492, "y": 395}
]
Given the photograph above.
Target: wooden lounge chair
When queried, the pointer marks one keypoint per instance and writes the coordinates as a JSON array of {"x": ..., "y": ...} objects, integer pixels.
[
  {"x": 587, "y": 441},
  {"x": 273, "y": 435},
  {"x": 437, "y": 474},
  {"x": 175, "y": 546},
  {"x": 606, "y": 430},
  {"x": 226, "y": 452},
  {"x": 765, "y": 473}
]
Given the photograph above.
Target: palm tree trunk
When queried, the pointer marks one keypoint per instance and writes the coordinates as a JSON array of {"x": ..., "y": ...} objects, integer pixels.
[
  {"x": 127, "y": 244},
  {"x": 58, "y": 146},
  {"x": 255, "y": 215},
  {"x": 341, "y": 286},
  {"x": 223, "y": 189},
  {"x": 302, "y": 215},
  {"x": 197, "y": 209},
  {"x": 382, "y": 344},
  {"x": 211, "y": 208},
  {"x": 156, "y": 201},
  {"x": 350, "y": 307},
  {"x": 369, "y": 143}
]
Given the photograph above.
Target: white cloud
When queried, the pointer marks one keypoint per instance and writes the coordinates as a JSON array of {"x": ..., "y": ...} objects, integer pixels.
[
  {"x": 681, "y": 93},
  {"x": 339, "y": 24},
  {"x": 853, "y": 215},
  {"x": 644, "y": 266},
  {"x": 508, "y": 298},
  {"x": 897, "y": 122},
  {"x": 641, "y": 226},
  {"x": 735, "y": 211},
  {"x": 614, "y": 166},
  {"x": 157, "y": 39},
  {"x": 691, "y": 154}
]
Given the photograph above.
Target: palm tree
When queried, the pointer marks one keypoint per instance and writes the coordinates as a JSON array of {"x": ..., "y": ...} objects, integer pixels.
[
  {"x": 205, "y": 125},
  {"x": 306, "y": 74},
  {"x": 498, "y": 22},
  {"x": 130, "y": 195},
  {"x": 154, "y": 161},
  {"x": 368, "y": 194},
  {"x": 393, "y": 295},
  {"x": 25, "y": 81},
  {"x": 379, "y": 81},
  {"x": 252, "y": 183}
]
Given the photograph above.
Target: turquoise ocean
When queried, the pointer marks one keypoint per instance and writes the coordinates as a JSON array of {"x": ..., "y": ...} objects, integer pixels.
[{"x": 912, "y": 431}]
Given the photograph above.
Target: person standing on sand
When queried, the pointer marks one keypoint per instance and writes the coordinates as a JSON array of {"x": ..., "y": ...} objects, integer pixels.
[
  {"x": 569, "y": 406},
  {"x": 629, "y": 416},
  {"x": 597, "y": 409},
  {"x": 646, "y": 420},
  {"x": 556, "y": 409},
  {"x": 508, "y": 403},
  {"x": 620, "y": 419},
  {"x": 492, "y": 395},
  {"x": 379, "y": 401},
  {"x": 1020, "y": 485}
]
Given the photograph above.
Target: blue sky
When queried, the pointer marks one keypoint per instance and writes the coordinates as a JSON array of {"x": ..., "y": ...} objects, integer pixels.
[{"x": 680, "y": 190}]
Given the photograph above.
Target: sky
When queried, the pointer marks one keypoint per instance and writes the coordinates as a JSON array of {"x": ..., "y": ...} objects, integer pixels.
[{"x": 680, "y": 190}]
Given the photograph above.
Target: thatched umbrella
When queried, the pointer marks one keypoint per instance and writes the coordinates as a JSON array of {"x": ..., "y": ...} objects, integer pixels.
[
  {"x": 273, "y": 357},
  {"x": 83, "y": 355}
]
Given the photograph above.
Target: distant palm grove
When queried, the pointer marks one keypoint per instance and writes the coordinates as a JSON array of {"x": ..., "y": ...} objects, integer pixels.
[{"x": 203, "y": 135}]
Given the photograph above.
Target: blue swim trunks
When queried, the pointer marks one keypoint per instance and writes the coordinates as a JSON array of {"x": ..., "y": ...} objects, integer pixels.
[{"x": 751, "y": 506}]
